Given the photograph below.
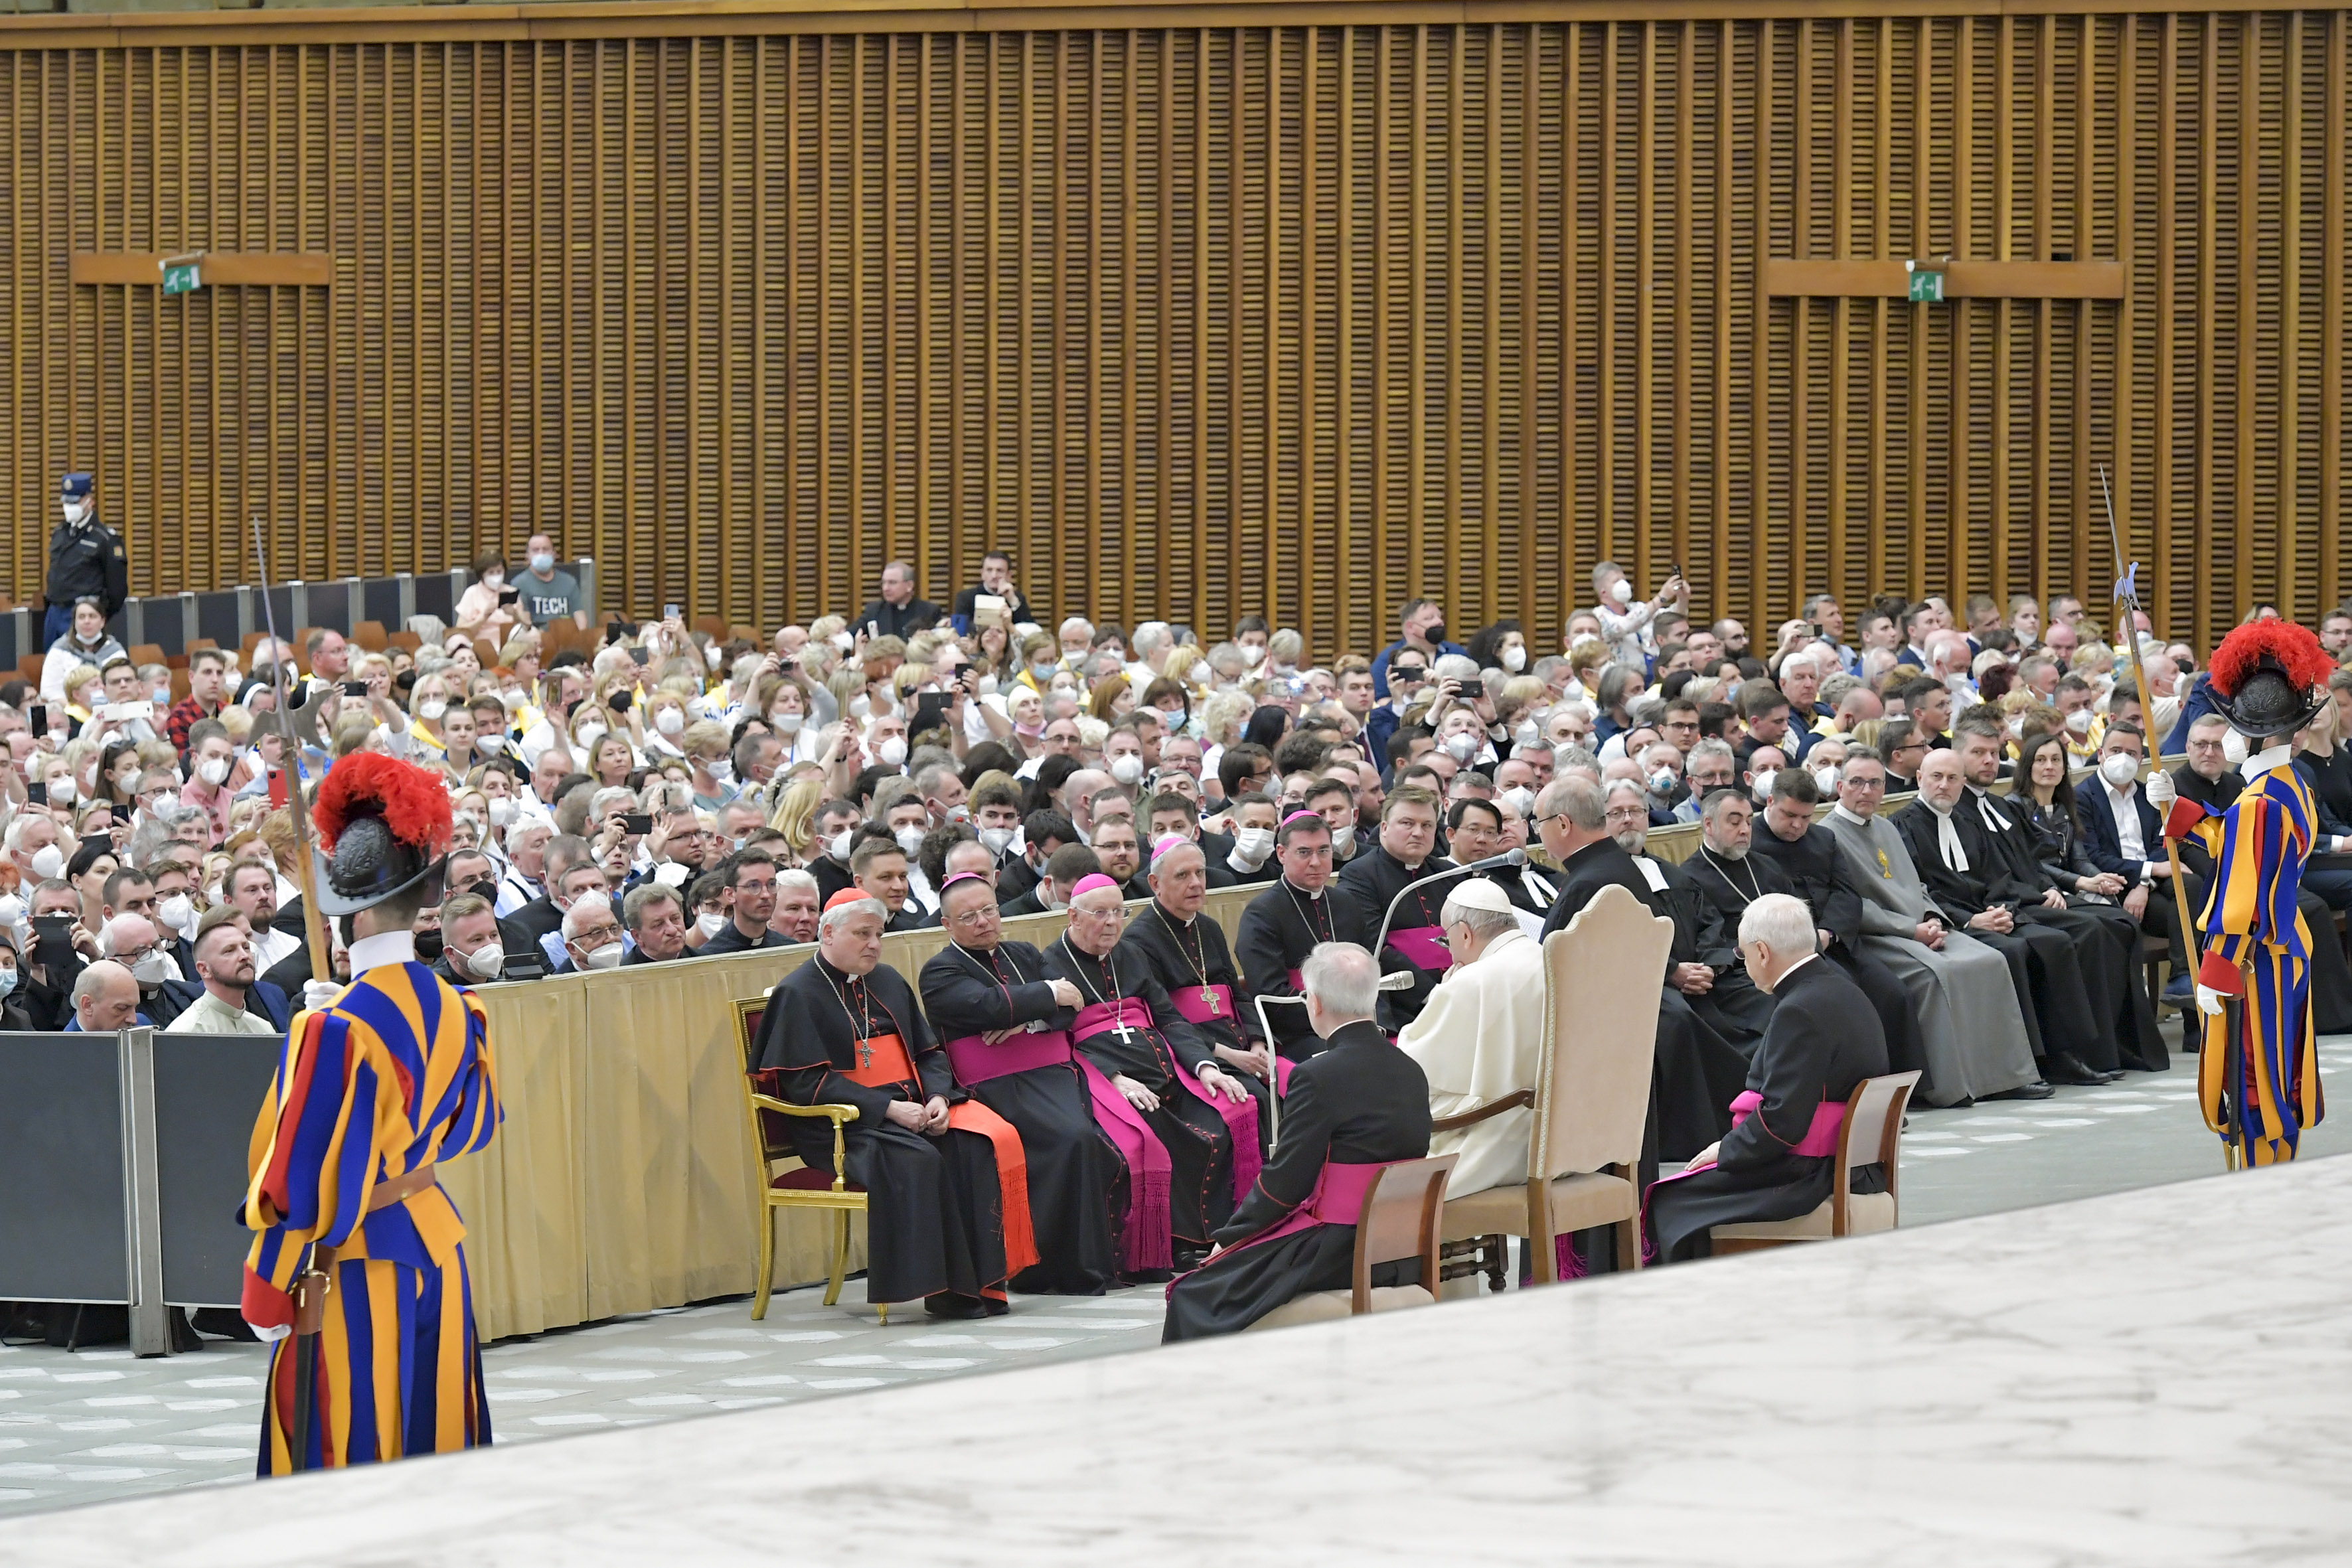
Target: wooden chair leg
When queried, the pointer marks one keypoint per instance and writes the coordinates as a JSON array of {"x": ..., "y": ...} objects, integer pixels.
[
  {"x": 840, "y": 1258},
  {"x": 1498, "y": 1257},
  {"x": 1629, "y": 1231},
  {"x": 767, "y": 1260}
]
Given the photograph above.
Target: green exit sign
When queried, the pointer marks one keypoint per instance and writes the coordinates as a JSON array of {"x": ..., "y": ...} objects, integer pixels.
[
  {"x": 1926, "y": 288},
  {"x": 183, "y": 277}
]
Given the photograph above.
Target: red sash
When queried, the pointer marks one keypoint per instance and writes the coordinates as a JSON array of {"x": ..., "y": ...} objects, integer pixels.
[
  {"x": 882, "y": 1062},
  {"x": 1425, "y": 946},
  {"x": 1240, "y": 1121}
]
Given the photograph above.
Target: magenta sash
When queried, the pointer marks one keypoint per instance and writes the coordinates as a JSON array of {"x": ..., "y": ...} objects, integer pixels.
[
  {"x": 976, "y": 1061},
  {"x": 1297, "y": 981},
  {"x": 1146, "y": 1240},
  {"x": 1199, "y": 1010},
  {"x": 1820, "y": 1140},
  {"x": 1338, "y": 1198},
  {"x": 1240, "y": 1121},
  {"x": 1425, "y": 946}
]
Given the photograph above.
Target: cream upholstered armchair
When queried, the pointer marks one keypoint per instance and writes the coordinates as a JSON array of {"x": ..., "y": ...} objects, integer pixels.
[
  {"x": 1872, "y": 1135},
  {"x": 1603, "y": 978}
]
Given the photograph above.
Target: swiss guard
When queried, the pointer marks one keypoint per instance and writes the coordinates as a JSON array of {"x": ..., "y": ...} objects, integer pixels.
[
  {"x": 358, "y": 1275},
  {"x": 2257, "y": 1073},
  {"x": 86, "y": 561}
]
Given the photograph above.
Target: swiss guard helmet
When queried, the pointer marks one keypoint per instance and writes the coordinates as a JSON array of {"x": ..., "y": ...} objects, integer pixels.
[
  {"x": 2269, "y": 678},
  {"x": 383, "y": 828}
]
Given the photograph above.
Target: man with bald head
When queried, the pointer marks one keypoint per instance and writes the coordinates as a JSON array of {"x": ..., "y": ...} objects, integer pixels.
[
  {"x": 1005, "y": 1023},
  {"x": 105, "y": 998},
  {"x": 1191, "y": 959}
]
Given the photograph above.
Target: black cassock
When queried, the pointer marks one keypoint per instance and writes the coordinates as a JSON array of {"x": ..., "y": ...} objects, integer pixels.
[
  {"x": 1278, "y": 929},
  {"x": 1196, "y": 969},
  {"x": 1823, "y": 1039},
  {"x": 1200, "y": 1145},
  {"x": 1697, "y": 1071},
  {"x": 1360, "y": 1102},
  {"x": 934, "y": 1213},
  {"x": 1813, "y": 868},
  {"x": 1415, "y": 945},
  {"x": 1078, "y": 1183}
]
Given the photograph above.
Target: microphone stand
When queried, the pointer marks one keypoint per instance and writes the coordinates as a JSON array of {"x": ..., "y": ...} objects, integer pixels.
[
  {"x": 1505, "y": 861},
  {"x": 1273, "y": 1098}
]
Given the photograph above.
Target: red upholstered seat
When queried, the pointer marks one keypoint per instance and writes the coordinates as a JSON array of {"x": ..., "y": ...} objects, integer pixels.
[{"x": 808, "y": 1178}]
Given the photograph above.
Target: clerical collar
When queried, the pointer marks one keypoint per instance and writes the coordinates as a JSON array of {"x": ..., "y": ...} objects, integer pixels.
[
  {"x": 1168, "y": 914},
  {"x": 2262, "y": 762},
  {"x": 383, "y": 947},
  {"x": 1838, "y": 810},
  {"x": 1316, "y": 895}
]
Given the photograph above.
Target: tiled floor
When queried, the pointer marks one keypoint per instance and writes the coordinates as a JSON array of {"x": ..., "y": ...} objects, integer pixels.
[{"x": 100, "y": 1424}]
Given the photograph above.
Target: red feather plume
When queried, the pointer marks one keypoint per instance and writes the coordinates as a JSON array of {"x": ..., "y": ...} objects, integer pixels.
[
  {"x": 2294, "y": 649},
  {"x": 411, "y": 802}
]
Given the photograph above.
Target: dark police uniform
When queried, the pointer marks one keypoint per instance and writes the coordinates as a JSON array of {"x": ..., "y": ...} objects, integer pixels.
[{"x": 86, "y": 561}]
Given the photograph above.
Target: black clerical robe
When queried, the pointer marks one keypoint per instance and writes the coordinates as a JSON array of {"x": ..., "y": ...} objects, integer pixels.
[
  {"x": 1192, "y": 962},
  {"x": 1824, "y": 1040},
  {"x": 1129, "y": 1027},
  {"x": 1358, "y": 1104},
  {"x": 1696, "y": 1071},
  {"x": 1374, "y": 880},
  {"x": 1077, "y": 1181},
  {"x": 934, "y": 1209},
  {"x": 1279, "y": 928},
  {"x": 1813, "y": 868},
  {"x": 2060, "y": 1013}
]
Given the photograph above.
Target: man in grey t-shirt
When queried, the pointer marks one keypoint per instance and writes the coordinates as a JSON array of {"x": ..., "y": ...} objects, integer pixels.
[{"x": 546, "y": 594}]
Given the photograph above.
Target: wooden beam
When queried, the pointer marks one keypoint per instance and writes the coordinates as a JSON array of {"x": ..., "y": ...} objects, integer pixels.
[
  {"x": 219, "y": 267},
  {"x": 1858, "y": 278}
]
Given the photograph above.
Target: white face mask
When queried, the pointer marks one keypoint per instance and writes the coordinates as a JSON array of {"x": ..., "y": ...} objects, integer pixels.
[
  {"x": 1126, "y": 770},
  {"x": 61, "y": 793},
  {"x": 997, "y": 838},
  {"x": 2016, "y": 725},
  {"x": 494, "y": 581},
  {"x": 48, "y": 860},
  {"x": 1826, "y": 780},
  {"x": 487, "y": 961},
  {"x": 605, "y": 957},
  {"x": 1254, "y": 844},
  {"x": 785, "y": 724},
  {"x": 838, "y": 845},
  {"x": 1520, "y": 799},
  {"x": 721, "y": 771},
  {"x": 1526, "y": 734},
  {"x": 1621, "y": 592},
  {"x": 670, "y": 874},
  {"x": 709, "y": 925},
  {"x": 213, "y": 771},
  {"x": 910, "y": 839},
  {"x": 2118, "y": 769},
  {"x": 502, "y": 812},
  {"x": 12, "y": 910},
  {"x": 860, "y": 706},
  {"x": 844, "y": 641},
  {"x": 178, "y": 912},
  {"x": 1663, "y": 782},
  {"x": 1762, "y": 787},
  {"x": 710, "y": 656},
  {"x": 431, "y": 710},
  {"x": 988, "y": 686},
  {"x": 670, "y": 721},
  {"x": 1461, "y": 746},
  {"x": 2079, "y": 720},
  {"x": 589, "y": 734},
  {"x": 154, "y": 970},
  {"x": 1515, "y": 658},
  {"x": 891, "y": 752}
]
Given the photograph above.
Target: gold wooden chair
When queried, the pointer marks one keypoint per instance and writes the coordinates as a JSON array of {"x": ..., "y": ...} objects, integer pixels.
[
  {"x": 1399, "y": 1221},
  {"x": 1602, "y": 979},
  {"x": 1872, "y": 1135},
  {"x": 800, "y": 1186}
]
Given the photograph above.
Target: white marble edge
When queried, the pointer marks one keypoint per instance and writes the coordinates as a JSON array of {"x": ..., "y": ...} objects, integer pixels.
[{"x": 2150, "y": 1377}]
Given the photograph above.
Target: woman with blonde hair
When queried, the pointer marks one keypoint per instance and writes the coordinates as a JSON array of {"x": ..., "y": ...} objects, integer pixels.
[{"x": 794, "y": 814}]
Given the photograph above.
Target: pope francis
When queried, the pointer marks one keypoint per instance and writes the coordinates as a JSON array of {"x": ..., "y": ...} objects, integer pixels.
[{"x": 1480, "y": 1038}]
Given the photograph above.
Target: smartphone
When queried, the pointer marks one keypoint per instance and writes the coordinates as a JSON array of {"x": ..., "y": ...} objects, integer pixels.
[
  {"x": 931, "y": 712},
  {"x": 640, "y": 654},
  {"x": 37, "y": 719},
  {"x": 508, "y": 596},
  {"x": 36, "y": 795},
  {"x": 637, "y": 822},
  {"x": 124, "y": 712},
  {"x": 355, "y": 688},
  {"x": 53, "y": 942},
  {"x": 669, "y": 612}
]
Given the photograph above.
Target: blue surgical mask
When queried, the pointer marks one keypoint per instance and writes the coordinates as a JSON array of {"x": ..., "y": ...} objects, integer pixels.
[{"x": 8, "y": 981}]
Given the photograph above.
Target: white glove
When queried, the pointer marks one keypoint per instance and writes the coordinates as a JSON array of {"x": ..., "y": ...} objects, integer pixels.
[
  {"x": 2160, "y": 790},
  {"x": 272, "y": 1334},
  {"x": 320, "y": 994},
  {"x": 2208, "y": 1001}
]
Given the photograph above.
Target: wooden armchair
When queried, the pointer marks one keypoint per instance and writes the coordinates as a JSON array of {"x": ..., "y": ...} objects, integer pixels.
[
  {"x": 1872, "y": 1135},
  {"x": 1399, "y": 1221},
  {"x": 1602, "y": 982},
  {"x": 800, "y": 1186}
]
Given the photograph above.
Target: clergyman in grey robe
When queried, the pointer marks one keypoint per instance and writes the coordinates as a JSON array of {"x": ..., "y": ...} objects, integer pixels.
[{"x": 1970, "y": 1024}]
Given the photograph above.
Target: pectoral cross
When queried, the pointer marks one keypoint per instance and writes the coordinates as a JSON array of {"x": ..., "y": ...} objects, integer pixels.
[
  {"x": 1118, "y": 1012},
  {"x": 866, "y": 1051},
  {"x": 1210, "y": 998}
]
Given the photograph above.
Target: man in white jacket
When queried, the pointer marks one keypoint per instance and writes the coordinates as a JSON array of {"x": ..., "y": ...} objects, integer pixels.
[{"x": 1480, "y": 1039}]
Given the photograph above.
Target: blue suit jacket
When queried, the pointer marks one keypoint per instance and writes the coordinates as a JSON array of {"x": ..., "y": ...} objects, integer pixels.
[
  {"x": 263, "y": 997},
  {"x": 2100, "y": 840}
]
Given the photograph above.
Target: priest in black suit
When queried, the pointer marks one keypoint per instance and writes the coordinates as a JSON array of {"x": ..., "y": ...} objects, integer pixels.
[
  {"x": 1778, "y": 1162},
  {"x": 1288, "y": 921}
]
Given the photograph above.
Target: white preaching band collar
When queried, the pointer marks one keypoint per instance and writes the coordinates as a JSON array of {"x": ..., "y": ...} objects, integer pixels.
[
  {"x": 2262, "y": 762},
  {"x": 385, "y": 947},
  {"x": 1947, "y": 837}
]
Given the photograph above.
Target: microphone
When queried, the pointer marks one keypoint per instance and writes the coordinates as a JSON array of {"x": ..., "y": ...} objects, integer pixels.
[{"x": 1508, "y": 857}]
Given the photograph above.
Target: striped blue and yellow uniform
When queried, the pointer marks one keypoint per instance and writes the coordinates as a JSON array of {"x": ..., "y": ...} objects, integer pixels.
[
  {"x": 2256, "y": 946},
  {"x": 394, "y": 1076}
]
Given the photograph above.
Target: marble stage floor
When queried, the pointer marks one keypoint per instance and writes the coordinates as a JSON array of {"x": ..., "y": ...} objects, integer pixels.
[{"x": 2161, "y": 1377}]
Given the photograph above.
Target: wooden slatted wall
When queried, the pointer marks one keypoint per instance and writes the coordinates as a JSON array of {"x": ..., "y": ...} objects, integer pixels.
[{"x": 1295, "y": 320}]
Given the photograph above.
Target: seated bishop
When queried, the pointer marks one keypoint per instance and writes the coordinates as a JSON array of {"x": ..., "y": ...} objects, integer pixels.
[
  {"x": 1131, "y": 1035},
  {"x": 948, "y": 1221},
  {"x": 1353, "y": 1109}
]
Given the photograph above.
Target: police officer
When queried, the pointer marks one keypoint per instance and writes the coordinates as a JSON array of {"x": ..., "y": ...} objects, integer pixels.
[{"x": 86, "y": 561}]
